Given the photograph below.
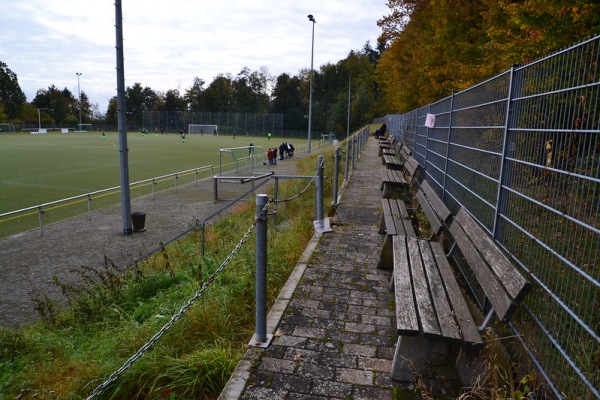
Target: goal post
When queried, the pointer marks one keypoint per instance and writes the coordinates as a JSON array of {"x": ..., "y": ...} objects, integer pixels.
[
  {"x": 6, "y": 128},
  {"x": 242, "y": 160},
  {"x": 84, "y": 128},
  {"x": 203, "y": 129}
]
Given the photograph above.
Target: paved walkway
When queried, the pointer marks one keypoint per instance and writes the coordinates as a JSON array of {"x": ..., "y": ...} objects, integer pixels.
[{"x": 334, "y": 323}]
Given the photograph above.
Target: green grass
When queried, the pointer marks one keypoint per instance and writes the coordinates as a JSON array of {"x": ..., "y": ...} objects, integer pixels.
[
  {"x": 68, "y": 354},
  {"x": 38, "y": 169}
]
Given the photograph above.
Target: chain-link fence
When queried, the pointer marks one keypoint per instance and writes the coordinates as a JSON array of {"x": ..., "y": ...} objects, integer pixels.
[{"x": 521, "y": 152}]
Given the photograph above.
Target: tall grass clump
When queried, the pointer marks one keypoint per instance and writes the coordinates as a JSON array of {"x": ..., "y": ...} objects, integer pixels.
[{"x": 114, "y": 310}]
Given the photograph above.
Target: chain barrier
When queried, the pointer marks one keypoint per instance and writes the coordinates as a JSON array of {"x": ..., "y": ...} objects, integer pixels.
[
  {"x": 113, "y": 377},
  {"x": 303, "y": 190}
]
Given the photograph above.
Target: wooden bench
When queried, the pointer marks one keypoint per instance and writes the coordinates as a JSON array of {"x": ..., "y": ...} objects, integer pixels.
[
  {"x": 392, "y": 183},
  {"x": 394, "y": 221},
  {"x": 433, "y": 207},
  {"x": 392, "y": 162},
  {"x": 388, "y": 144},
  {"x": 431, "y": 311}
]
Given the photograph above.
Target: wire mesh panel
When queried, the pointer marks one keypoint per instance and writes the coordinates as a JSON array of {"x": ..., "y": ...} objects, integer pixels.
[{"x": 521, "y": 153}]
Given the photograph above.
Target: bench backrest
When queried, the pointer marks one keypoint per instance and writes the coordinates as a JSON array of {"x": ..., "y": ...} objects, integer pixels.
[
  {"x": 434, "y": 208},
  {"x": 502, "y": 283}
]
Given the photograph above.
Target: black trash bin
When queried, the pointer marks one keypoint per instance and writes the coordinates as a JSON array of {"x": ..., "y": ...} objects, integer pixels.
[{"x": 138, "y": 220}]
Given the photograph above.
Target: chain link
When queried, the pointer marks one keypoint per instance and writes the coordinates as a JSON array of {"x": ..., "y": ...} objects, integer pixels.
[
  {"x": 303, "y": 190},
  {"x": 113, "y": 377}
]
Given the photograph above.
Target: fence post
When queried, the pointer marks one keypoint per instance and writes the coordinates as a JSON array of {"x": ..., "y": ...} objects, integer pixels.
[
  {"x": 215, "y": 189},
  {"x": 321, "y": 225},
  {"x": 41, "y": 219},
  {"x": 353, "y": 146},
  {"x": 89, "y": 204},
  {"x": 261, "y": 339},
  {"x": 336, "y": 171},
  {"x": 450, "y": 122},
  {"x": 348, "y": 145},
  {"x": 275, "y": 197}
]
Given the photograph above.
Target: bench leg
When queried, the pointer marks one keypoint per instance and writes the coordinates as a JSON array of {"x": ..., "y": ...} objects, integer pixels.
[
  {"x": 386, "y": 256},
  {"x": 412, "y": 356}
]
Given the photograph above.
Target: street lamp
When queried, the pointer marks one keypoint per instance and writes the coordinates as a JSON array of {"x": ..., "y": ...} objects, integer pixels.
[
  {"x": 312, "y": 51},
  {"x": 79, "y": 96}
]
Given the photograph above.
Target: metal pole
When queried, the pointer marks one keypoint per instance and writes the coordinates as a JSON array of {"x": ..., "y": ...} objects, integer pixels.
[
  {"x": 353, "y": 149},
  {"x": 275, "y": 196},
  {"x": 312, "y": 51},
  {"x": 122, "y": 113},
  {"x": 336, "y": 171},
  {"x": 260, "y": 338},
  {"x": 348, "y": 145},
  {"x": 79, "y": 96},
  {"x": 320, "y": 188}
]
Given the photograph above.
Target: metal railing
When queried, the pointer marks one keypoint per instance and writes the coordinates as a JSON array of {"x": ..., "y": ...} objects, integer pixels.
[
  {"x": 521, "y": 153},
  {"x": 41, "y": 209}
]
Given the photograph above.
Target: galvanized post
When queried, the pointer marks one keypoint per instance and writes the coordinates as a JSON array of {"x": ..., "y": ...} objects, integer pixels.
[
  {"x": 215, "y": 189},
  {"x": 320, "y": 188},
  {"x": 336, "y": 171},
  {"x": 352, "y": 150},
  {"x": 153, "y": 189},
  {"x": 347, "y": 160},
  {"x": 275, "y": 196},
  {"x": 176, "y": 179},
  {"x": 89, "y": 204},
  {"x": 321, "y": 225},
  {"x": 261, "y": 339},
  {"x": 41, "y": 219}
]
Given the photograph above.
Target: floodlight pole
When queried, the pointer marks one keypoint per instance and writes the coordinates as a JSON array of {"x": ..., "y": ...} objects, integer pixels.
[
  {"x": 122, "y": 123},
  {"x": 312, "y": 51},
  {"x": 79, "y": 96},
  {"x": 40, "y": 118}
]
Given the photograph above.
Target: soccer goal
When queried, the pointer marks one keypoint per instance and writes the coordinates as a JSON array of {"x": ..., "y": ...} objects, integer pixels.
[
  {"x": 242, "y": 160},
  {"x": 7, "y": 128},
  {"x": 84, "y": 128},
  {"x": 203, "y": 129}
]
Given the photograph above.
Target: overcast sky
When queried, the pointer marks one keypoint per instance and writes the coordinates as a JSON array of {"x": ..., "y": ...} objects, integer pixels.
[{"x": 169, "y": 43}]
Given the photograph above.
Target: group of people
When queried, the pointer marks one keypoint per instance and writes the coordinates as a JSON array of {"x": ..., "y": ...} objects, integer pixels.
[{"x": 286, "y": 150}]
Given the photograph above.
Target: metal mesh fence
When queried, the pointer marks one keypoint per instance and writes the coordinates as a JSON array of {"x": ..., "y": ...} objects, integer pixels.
[{"x": 521, "y": 152}]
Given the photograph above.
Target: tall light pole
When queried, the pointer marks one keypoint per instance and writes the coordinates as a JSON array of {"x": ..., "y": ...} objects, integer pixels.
[
  {"x": 312, "y": 52},
  {"x": 79, "y": 96},
  {"x": 348, "y": 123},
  {"x": 40, "y": 118}
]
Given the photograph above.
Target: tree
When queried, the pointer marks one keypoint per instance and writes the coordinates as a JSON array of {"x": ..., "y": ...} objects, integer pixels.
[
  {"x": 138, "y": 100},
  {"x": 287, "y": 101},
  {"x": 219, "y": 94},
  {"x": 194, "y": 95},
  {"x": 12, "y": 97}
]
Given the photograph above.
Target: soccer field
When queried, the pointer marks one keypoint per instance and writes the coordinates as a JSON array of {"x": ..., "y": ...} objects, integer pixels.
[{"x": 36, "y": 169}]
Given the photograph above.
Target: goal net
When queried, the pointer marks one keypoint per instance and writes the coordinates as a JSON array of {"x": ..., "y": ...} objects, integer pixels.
[
  {"x": 7, "y": 128},
  {"x": 84, "y": 128},
  {"x": 242, "y": 160},
  {"x": 203, "y": 129}
]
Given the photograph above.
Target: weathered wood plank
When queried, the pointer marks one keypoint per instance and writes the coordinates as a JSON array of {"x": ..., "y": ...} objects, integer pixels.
[
  {"x": 488, "y": 281},
  {"x": 406, "y": 312},
  {"x": 440, "y": 208},
  {"x": 509, "y": 276},
  {"x": 443, "y": 310},
  {"x": 432, "y": 217},
  {"x": 463, "y": 316},
  {"x": 425, "y": 307}
]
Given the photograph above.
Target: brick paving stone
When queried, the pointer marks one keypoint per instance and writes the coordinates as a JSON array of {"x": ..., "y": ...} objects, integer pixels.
[{"x": 336, "y": 338}]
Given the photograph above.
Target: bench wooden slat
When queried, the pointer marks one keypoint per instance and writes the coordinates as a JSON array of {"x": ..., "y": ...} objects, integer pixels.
[
  {"x": 513, "y": 281},
  {"x": 434, "y": 220},
  {"x": 443, "y": 309},
  {"x": 425, "y": 307},
  {"x": 465, "y": 321},
  {"x": 489, "y": 283},
  {"x": 406, "y": 320},
  {"x": 440, "y": 208}
]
